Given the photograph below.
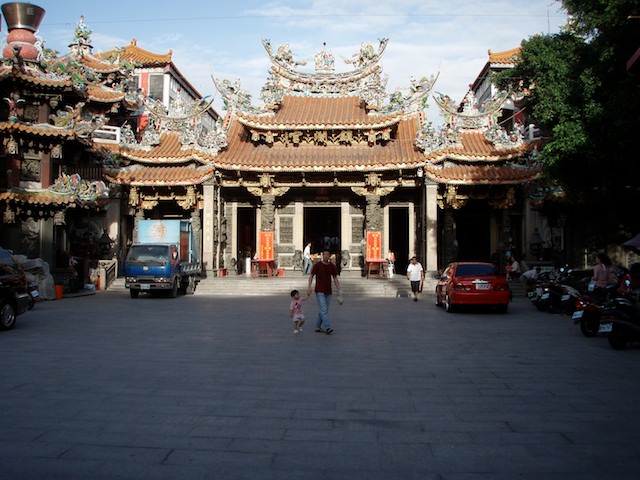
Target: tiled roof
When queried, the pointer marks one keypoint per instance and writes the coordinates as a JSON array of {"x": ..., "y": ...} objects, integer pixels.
[
  {"x": 242, "y": 154},
  {"x": 139, "y": 175},
  {"x": 169, "y": 150},
  {"x": 476, "y": 147},
  {"x": 320, "y": 113},
  {"x": 144, "y": 58},
  {"x": 97, "y": 63},
  {"x": 98, "y": 93},
  {"x": 482, "y": 174},
  {"x": 34, "y": 77},
  {"x": 43, "y": 130},
  {"x": 41, "y": 197},
  {"x": 508, "y": 57}
]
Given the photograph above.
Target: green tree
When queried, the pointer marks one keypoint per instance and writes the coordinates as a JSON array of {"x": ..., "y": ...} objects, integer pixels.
[{"x": 577, "y": 90}]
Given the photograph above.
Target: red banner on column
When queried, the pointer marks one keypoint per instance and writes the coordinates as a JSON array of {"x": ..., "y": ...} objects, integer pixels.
[
  {"x": 374, "y": 246},
  {"x": 266, "y": 246}
]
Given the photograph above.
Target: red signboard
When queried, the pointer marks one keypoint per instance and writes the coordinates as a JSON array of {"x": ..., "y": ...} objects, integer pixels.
[
  {"x": 374, "y": 246},
  {"x": 265, "y": 251}
]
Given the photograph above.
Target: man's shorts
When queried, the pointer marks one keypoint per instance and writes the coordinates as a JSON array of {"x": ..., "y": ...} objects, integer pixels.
[{"x": 415, "y": 286}]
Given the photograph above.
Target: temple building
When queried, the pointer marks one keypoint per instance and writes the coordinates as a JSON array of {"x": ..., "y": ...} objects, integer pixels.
[
  {"x": 52, "y": 196},
  {"x": 333, "y": 159}
]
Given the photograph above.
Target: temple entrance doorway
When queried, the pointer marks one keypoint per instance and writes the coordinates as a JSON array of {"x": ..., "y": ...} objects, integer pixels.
[
  {"x": 322, "y": 228},
  {"x": 246, "y": 236},
  {"x": 473, "y": 232},
  {"x": 399, "y": 237}
]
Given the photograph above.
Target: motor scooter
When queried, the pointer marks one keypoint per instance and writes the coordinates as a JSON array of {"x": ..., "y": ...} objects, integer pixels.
[{"x": 624, "y": 317}]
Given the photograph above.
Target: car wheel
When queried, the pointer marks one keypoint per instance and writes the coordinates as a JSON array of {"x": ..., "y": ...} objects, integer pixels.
[
  {"x": 134, "y": 292},
  {"x": 617, "y": 338},
  {"x": 438, "y": 302},
  {"x": 503, "y": 308},
  {"x": 447, "y": 304},
  {"x": 7, "y": 315}
]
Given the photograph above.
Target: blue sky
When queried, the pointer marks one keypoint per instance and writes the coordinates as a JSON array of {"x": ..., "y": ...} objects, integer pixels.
[{"x": 224, "y": 38}]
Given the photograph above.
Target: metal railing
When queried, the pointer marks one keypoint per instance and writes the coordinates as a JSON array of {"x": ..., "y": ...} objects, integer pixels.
[{"x": 110, "y": 269}]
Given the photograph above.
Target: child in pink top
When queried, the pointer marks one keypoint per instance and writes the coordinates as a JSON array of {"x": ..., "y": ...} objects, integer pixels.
[{"x": 297, "y": 314}]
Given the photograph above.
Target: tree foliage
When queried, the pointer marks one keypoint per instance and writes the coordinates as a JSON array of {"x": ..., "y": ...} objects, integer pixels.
[{"x": 577, "y": 90}]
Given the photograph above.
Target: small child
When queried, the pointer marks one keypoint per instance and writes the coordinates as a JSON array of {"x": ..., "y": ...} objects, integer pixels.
[{"x": 296, "y": 311}]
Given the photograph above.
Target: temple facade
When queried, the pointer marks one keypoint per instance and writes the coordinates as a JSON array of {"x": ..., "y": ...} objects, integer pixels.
[
  {"x": 334, "y": 159},
  {"x": 52, "y": 197}
]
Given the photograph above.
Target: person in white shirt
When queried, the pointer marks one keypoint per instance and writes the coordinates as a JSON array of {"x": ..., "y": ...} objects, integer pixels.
[
  {"x": 529, "y": 277},
  {"x": 306, "y": 259},
  {"x": 415, "y": 274}
]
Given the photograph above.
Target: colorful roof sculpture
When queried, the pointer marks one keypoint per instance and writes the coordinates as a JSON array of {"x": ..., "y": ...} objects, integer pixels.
[{"x": 325, "y": 121}]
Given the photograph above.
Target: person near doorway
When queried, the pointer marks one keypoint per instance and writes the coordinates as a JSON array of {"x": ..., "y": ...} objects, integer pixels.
[
  {"x": 323, "y": 271},
  {"x": 415, "y": 274},
  {"x": 391, "y": 260},
  {"x": 306, "y": 259}
]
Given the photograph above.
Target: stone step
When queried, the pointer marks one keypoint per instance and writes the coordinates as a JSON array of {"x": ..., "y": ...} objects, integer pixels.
[{"x": 352, "y": 285}]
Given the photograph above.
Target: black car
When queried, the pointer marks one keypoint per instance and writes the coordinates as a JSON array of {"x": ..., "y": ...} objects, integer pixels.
[{"x": 14, "y": 300}]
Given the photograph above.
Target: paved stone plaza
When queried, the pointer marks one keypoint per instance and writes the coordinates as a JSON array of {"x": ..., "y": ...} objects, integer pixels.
[{"x": 203, "y": 387}]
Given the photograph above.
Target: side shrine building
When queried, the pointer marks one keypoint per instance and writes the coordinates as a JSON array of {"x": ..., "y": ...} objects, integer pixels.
[{"x": 333, "y": 159}]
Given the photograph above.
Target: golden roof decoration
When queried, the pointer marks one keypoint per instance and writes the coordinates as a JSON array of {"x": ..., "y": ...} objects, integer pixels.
[
  {"x": 508, "y": 57},
  {"x": 141, "y": 57}
]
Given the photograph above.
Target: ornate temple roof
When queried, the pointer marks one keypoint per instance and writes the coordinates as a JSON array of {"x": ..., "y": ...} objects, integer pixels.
[
  {"x": 38, "y": 197},
  {"x": 169, "y": 150},
  {"x": 143, "y": 175},
  {"x": 296, "y": 112},
  {"x": 482, "y": 174},
  {"x": 475, "y": 147},
  {"x": 242, "y": 154},
  {"x": 328, "y": 122},
  {"x": 141, "y": 57}
]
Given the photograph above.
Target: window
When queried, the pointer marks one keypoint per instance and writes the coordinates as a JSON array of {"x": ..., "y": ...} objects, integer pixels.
[{"x": 156, "y": 86}]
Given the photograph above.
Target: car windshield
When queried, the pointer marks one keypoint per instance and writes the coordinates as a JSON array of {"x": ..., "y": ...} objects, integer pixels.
[
  {"x": 475, "y": 269},
  {"x": 151, "y": 255}
]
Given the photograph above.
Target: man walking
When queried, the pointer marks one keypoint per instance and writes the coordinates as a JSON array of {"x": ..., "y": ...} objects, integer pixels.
[
  {"x": 415, "y": 274},
  {"x": 323, "y": 271}
]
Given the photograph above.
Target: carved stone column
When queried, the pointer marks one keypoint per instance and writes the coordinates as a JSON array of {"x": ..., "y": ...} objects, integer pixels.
[
  {"x": 431, "y": 219},
  {"x": 373, "y": 213},
  {"x": 196, "y": 225},
  {"x": 268, "y": 217}
]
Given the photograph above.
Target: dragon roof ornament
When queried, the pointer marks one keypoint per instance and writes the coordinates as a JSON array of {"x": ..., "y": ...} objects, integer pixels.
[
  {"x": 365, "y": 81},
  {"x": 83, "y": 190},
  {"x": 184, "y": 118},
  {"x": 324, "y": 81},
  {"x": 472, "y": 117}
]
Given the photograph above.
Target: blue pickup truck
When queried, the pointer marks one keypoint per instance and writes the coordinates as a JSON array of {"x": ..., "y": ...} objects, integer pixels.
[{"x": 164, "y": 258}]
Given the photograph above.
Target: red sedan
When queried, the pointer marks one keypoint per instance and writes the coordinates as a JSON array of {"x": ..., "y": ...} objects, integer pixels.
[{"x": 472, "y": 283}]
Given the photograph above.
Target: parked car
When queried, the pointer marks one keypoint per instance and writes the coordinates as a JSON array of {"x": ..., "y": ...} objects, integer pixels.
[
  {"x": 472, "y": 283},
  {"x": 14, "y": 299}
]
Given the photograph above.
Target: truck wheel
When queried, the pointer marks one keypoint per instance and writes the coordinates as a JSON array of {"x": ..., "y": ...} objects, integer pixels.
[
  {"x": 173, "y": 293},
  {"x": 134, "y": 293},
  {"x": 7, "y": 316}
]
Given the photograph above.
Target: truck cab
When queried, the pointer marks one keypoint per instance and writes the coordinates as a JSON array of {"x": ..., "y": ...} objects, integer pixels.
[{"x": 164, "y": 259}]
